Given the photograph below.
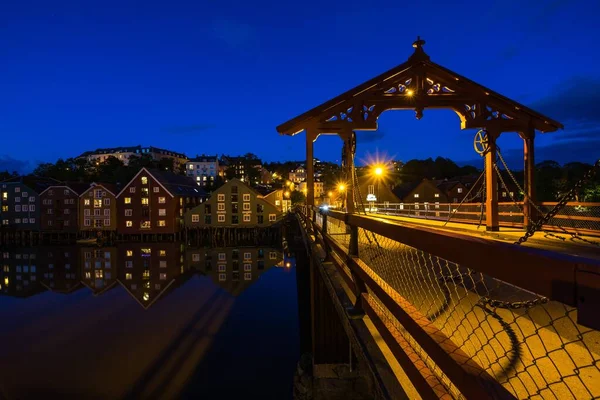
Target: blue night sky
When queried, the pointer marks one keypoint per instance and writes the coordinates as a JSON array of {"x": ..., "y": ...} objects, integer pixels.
[{"x": 218, "y": 77}]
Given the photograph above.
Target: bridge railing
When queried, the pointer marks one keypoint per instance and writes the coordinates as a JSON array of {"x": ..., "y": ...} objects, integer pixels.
[
  {"x": 468, "y": 317},
  {"x": 576, "y": 217}
]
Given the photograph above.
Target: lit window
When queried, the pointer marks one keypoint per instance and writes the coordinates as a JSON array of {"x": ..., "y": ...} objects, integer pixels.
[
  {"x": 127, "y": 200},
  {"x": 155, "y": 189},
  {"x": 86, "y": 202},
  {"x": 128, "y": 224},
  {"x": 246, "y": 197},
  {"x": 145, "y": 225},
  {"x": 146, "y": 296},
  {"x": 503, "y": 194},
  {"x": 195, "y": 218},
  {"x": 221, "y": 218},
  {"x": 162, "y": 222},
  {"x": 221, "y": 197},
  {"x": 246, "y": 207},
  {"x": 162, "y": 212},
  {"x": 128, "y": 276},
  {"x": 247, "y": 267},
  {"x": 512, "y": 194},
  {"x": 247, "y": 217},
  {"x": 145, "y": 201},
  {"x": 144, "y": 180},
  {"x": 97, "y": 203},
  {"x": 436, "y": 195},
  {"x": 272, "y": 217},
  {"x": 222, "y": 256},
  {"x": 247, "y": 256},
  {"x": 4, "y": 195},
  {"x": 221, "y": 206},
  {"x": 162, "y": 253},
  {"x": 416, "y": 195},
  {"x": 273, "y": 255},
  {"x": 459, "y": 190},
  {"x": 247, "y": 276},
  {"x": 161, "y": 200},
  {"x": 277, "y": 202}
]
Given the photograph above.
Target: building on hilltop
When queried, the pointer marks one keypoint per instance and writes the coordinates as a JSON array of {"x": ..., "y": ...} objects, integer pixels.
[
  {"x": 297, "y": 175},
  {"x": 155, "y": 201},
  {"x": 234, "y": 204},
  {"x": 124, "y": 153},
  {"x": 203, "y": 169}
]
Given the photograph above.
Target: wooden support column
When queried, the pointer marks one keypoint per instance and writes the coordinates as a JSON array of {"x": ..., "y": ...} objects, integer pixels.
[
  {"x": 349, "y": 171},
  {"x": 529, "y": 184},
  {"x": 491, "y": 185},
  {"x": 311, "y": 136}
]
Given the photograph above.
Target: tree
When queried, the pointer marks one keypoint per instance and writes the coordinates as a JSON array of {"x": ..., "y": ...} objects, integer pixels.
[{"x": 297, "y": 197}]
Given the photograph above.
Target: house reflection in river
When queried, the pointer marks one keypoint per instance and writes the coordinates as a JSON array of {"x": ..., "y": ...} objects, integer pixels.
[
  {"x": 20, "y": 274},
  {"x": 148, "y": 271},
  {"x": 60, "y": 266},
  {"x": 98, "y": 268},
  {"x": 233, "y": 268}
]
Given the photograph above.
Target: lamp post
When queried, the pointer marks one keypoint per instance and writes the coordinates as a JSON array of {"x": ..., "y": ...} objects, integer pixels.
[
  {"x": 378, "y": 171},
  {"x": 341, "y": 190}
]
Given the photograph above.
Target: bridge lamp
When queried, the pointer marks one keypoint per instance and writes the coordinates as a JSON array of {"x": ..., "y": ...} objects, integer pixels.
[
  {"x": 287, "y": 193},
  {"x": 409, "y": 92},
  {"x": 330, "y": 194},
  {"x": 378, "y": 171},
  {"x": 341, "y": 187}
]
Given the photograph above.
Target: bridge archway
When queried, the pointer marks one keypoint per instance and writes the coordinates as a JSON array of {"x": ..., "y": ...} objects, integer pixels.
[{"x": 419, "y": 84}]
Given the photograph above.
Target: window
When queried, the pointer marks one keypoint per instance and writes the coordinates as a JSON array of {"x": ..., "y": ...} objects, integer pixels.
[
  {"x": 247, "y": 256},
  {"x": 98, "y": 223},
  {"x": 4, "y": 222},
  {"x": 162, "y": 200},
  {"x": 128, "y": 276},
  {"x": 155, "y": 189},
  {"x": 145, "y": 191},
  {"x": 277, "y": 202},
  {"x": 98, "y": 194},
  {"x": 272, "y": 217},
  {"x": 512, "y": 194},
  {"x": 106, "y": 222},
  {"x": 162, "y": 222},
  {"x": 31, "y": 207},
  {"x": 247, "y": 267},
  {"x": 87, "y": 222},
  {"x": 195, "y": 218},
  {"x": 235, "y": 219},
  {"x": 371, "y": 189},
  {"x": 436, "y": 195},
  {"x": 4, "y": 195},
  {"x": 18, "y": 208},
  {"x": 162, "y": 212},
  {"x": 162, "y": 253},
  {"x": 49, "y": 211},
  {"x": 246, "y": 207},
  {"x": 247, "y": 217},
  {"x": 66, "y": 192},
  {"x": 221, "y": 206},
  {"x": 503, "y": 194},
  {"x": 97, "y": 203},
  {"x": 163, "y": 276},
  {"x": 222, "y": 256},
  {"x": 260, "y": 219},
  {"x": 208, "y": 219},
  {"x": 416, "y": 195},
  {"x": 26, "y": 221},
  {"x": 273, "y": 255},
  {"x": 221, "y": 218},
  {"x": 132, "y": 189},
  {"x": 222, "y": 277},
  {"x": 246, "y": 197},
  {"x": 128, "y": 264},
  {"x": 459, "y": 190},
  {"x": 234, "y": 208},
  {"x": 221, "y": 197},
  {"x": 144, "y": 180},
  {"x": 4, "y": 208},
  {"x": 25, "y": 194},
  {"x": 145, "y": 201},
  {"x": 86, "y": 202},
  {"x": 107, "y": 202},
  {"x": 96, "y": 213},
  {"x": 127, "y": 200},
  {"x": 49, "y": 223},
  {"x": 145, "y": 224},
  {"x": 222, "y": 268},
  {"x": 17, "y": 190},
  {"x": 67, "y": 211},
  {"x": 129, "y": 224},
  {"x": 162, "y": 264},
  {"x": 32, "y": 199},
  {"x": 247, "y": 276},
  {"x": 207, "y": 209},
  {"x": 234, "y": 198},
  {"x": 128, "y": 212},
  {"x": 107, "y": 212},
  {"x": 260, "y": 208},
  {"x": 25, "y": 207}
]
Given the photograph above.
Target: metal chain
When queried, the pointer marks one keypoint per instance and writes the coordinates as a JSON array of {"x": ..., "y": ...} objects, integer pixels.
[
  {"x": 512, "y": 305},
  {"x": 560, "y": 205},
  {"x": 464, "y": 200}
]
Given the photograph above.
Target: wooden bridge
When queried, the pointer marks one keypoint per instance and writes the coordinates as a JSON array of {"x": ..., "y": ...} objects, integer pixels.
[{"x": 426, "y": 313}]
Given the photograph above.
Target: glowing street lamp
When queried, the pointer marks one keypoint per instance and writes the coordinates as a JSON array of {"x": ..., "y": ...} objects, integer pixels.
[
  {"x": 341, "y": 187},
  {"x": 378, "y": 171},
  {"x": 330, "y": 194},
  {"x": 287, "y": 193}
]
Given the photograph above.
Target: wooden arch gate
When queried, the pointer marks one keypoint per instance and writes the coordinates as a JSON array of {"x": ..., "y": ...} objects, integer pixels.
[{"x": 418, "y": 84}]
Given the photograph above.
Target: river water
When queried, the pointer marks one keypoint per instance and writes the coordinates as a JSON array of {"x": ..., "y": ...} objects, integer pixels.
[{"x": 147, "y": 321}]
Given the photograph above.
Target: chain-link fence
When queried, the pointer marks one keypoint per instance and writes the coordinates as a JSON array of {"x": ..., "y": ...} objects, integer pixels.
[
  {"x": 533, "y": 347},
  {"x": 575, "y": 217}
]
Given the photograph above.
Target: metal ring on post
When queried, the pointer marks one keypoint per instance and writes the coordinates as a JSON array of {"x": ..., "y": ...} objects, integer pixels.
[{"x": 481, "y": 142}]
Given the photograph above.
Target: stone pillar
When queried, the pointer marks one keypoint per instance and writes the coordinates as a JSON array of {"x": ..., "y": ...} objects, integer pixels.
[
  {"x": 529, "y": 184},
  {"x": 491, "y": 185},
  {"x": 311, "y": 136}
]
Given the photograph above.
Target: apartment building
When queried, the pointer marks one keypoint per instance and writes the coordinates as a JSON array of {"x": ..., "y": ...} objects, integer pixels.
[
  {"x": 297, "y": 175},
  {"x": 233, "y": 204},
  {"x": 124, "y": 153},
  {"x": 155, "y": 202},
  {"x": 60, "y": 206},
  {"x": 203, "y": 169},
  {"x": 319, "y": 188},
  {"x": 98, "y": 208}
]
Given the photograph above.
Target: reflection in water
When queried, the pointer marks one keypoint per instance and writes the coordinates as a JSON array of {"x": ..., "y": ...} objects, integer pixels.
[
  {"x": 147, "y": 271},
  {"x": 210, "y": 323}
]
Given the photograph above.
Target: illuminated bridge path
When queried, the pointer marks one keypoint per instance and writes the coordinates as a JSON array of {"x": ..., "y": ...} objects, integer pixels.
[{"x": 448, "y": 313}]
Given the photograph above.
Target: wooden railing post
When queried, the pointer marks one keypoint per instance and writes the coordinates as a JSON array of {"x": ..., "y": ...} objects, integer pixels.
[
  {"x": 357, "y": 310},
  {"x": 324, "y": 222}
]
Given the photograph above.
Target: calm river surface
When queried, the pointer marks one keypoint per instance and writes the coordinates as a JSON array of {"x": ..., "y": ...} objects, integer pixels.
[{"x": 147, "y": 321}]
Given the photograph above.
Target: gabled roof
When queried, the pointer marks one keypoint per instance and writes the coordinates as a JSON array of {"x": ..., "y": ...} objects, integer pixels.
[
  {"x": 402, "y": 190},
  {"x": 418, "y": 62},
  {"x": 113, "y": 189},
  {"x": 175, "y": 185},
  {"x": 36, "y": 183}
]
